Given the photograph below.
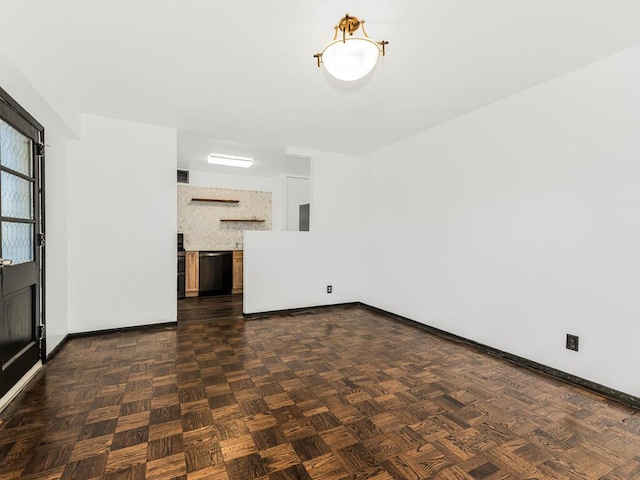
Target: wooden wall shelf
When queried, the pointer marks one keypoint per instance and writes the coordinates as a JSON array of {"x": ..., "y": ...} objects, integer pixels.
[
  {"x": 212, "y": 200},
  {"x": 241, "y": 220}
]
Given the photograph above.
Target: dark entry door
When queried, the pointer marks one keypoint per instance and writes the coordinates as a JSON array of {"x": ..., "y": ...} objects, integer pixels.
[{"x": 20, "y": 255}]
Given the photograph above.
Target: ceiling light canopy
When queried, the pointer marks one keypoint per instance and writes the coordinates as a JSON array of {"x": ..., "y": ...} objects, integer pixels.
[
  {"x": 350, "y": 58},
  {"x": 230, "y": 160}
]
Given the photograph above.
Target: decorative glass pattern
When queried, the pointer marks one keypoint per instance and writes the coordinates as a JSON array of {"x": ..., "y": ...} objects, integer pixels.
[
  {"x": 15, "y": 150},
  {"x": 17, "y": 196},
  {"x": 17, "y": 242}
]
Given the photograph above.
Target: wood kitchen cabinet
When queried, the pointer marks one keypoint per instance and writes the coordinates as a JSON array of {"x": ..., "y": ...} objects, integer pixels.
[
  {"x": 238, "y": 258},
  {"x": 192, "y": 274}
]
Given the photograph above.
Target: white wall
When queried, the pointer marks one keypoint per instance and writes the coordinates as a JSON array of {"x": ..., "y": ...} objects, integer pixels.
[
  {"x": 57, "y": 239},
  {"x": 57, "y": 133},
  {"x": 122, "y": 227},
  {"x": 518, "y": 223},
  {"x": 13, "y": 81},
  {"x": 198, "y": 178},
  {"x": 298, "y": 193},
  {"x": 279, "y": 201},
  {"x": 284, "y": 270}
]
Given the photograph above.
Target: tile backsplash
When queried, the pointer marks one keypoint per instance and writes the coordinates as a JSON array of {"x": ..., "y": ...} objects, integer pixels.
[{"x": 200, "y": 221}]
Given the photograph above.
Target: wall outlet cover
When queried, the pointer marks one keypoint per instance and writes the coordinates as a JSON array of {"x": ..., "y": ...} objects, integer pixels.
[
  {"x": 329, "y": 289},
  {"x": 572, "y": 342}
]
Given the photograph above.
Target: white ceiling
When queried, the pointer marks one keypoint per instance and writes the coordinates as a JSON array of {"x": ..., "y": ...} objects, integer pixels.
[{"x": 241, "y": 73}]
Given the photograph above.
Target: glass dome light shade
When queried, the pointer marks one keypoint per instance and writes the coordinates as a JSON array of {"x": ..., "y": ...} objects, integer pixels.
[{"x": 350, "y": 59}]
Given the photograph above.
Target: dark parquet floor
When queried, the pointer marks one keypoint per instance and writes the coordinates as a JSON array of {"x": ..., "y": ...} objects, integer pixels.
[{"x": 341, "y": 393}]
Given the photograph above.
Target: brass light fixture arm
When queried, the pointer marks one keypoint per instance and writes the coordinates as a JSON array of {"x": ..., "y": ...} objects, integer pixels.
[
  {"x": 363, "y": 30},
  {"x": 382, "y": 44},
  {"x": 349, "y": 24}
]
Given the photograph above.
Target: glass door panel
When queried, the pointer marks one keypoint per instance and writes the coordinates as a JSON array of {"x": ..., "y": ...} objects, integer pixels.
[
  {"x": 17, "y": 242},
  {"x": 16, "y": 150},
  {"x": 16, "y": 195}
]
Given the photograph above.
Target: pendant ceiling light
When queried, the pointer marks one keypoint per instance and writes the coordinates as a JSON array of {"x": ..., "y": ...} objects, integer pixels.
[{"x": 350, "y": 58}]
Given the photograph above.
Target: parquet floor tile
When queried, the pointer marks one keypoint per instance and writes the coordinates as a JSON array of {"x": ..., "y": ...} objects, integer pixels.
[{"x": 332, "y": 394}]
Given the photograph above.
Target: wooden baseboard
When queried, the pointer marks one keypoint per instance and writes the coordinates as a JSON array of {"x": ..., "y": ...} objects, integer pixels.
[
  {"x": 57, "y": 348},
  {"x": 298, "y": 311},
  {"x": 152, "y": 326}
]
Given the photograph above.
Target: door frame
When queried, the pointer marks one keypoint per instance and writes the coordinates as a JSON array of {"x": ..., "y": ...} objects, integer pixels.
[{"x": 15, "y": 115}]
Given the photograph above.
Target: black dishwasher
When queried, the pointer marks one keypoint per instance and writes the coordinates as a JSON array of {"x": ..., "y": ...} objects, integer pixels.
[{"x": 215, "y": 273}]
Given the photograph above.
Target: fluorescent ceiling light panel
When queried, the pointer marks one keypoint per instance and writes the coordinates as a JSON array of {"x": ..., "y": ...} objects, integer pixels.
[{"x": 230, "y": 160}]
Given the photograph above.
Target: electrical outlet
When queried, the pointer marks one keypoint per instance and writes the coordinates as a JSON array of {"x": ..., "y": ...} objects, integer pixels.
[
  {"x": 329, "y": 289},
  {"x": 572, "y": 342}
]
